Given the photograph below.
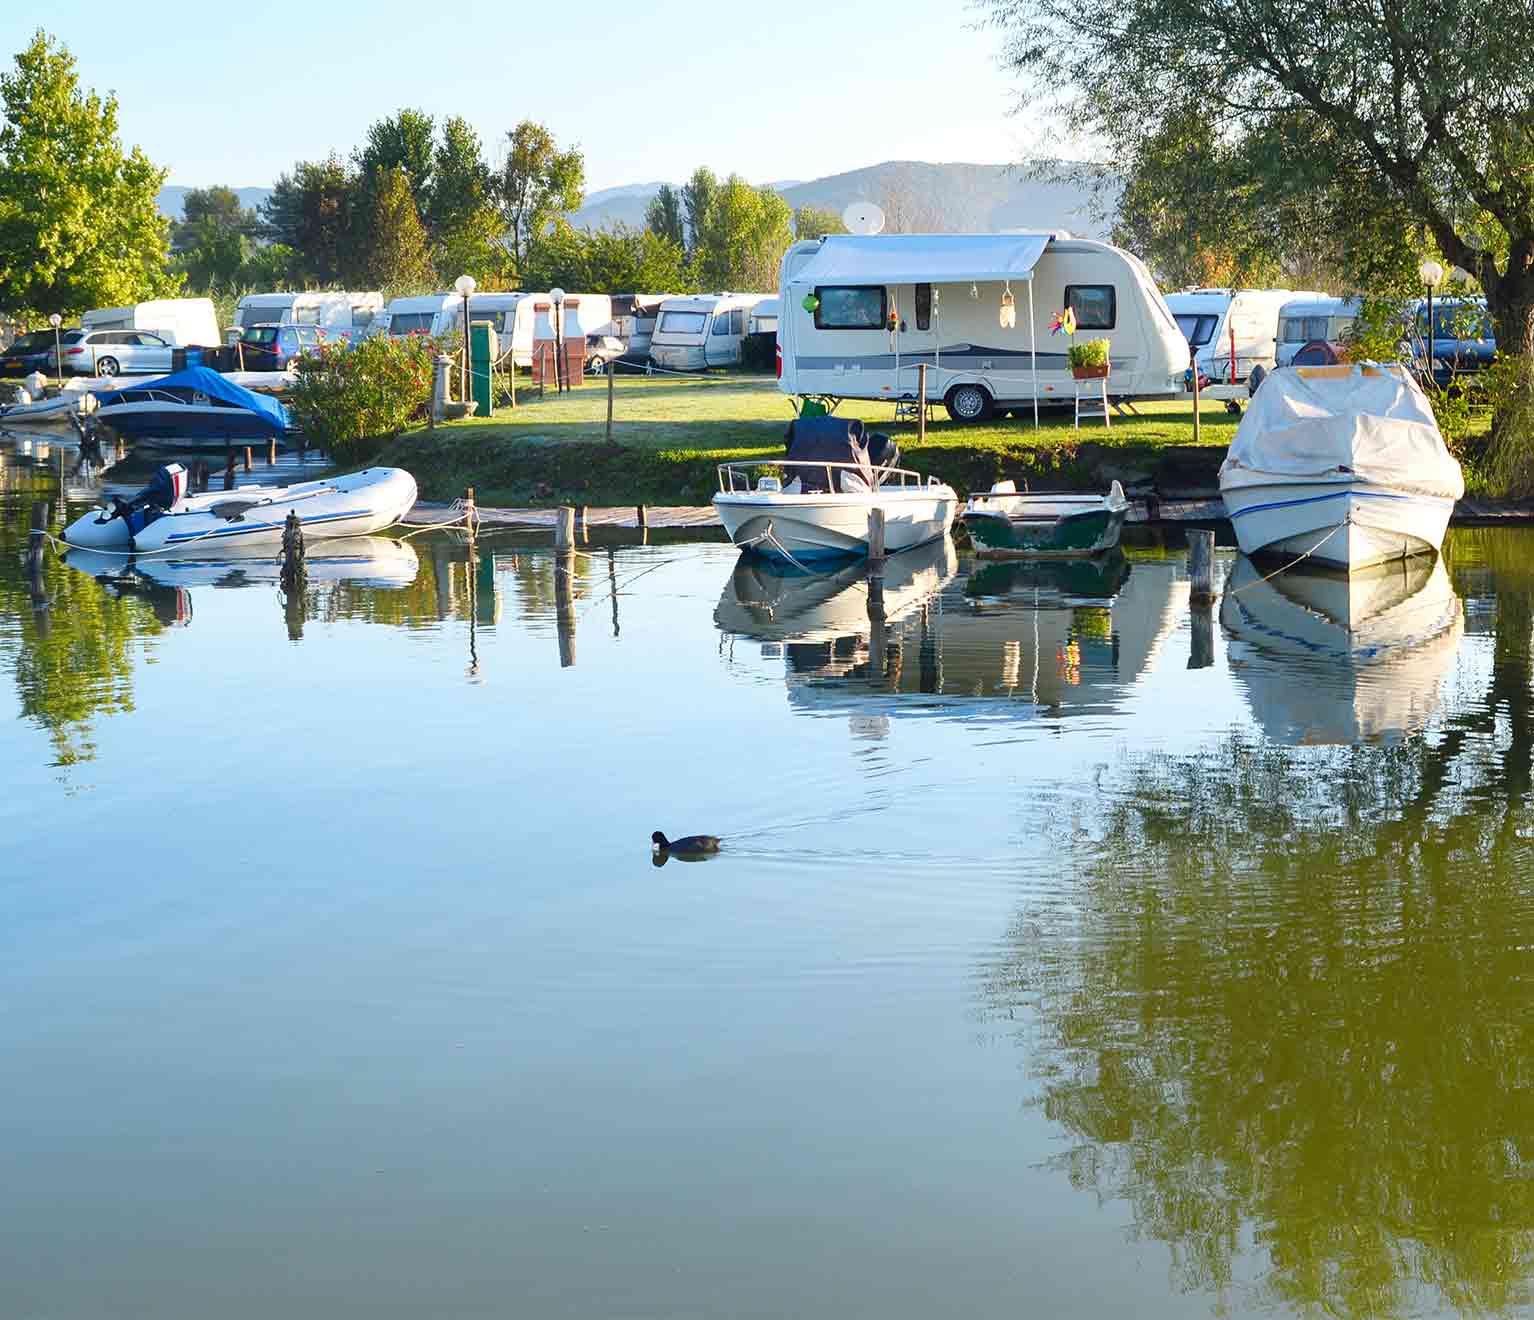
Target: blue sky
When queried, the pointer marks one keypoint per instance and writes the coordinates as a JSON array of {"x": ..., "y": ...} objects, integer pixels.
[{"x": 649, "y": 91}]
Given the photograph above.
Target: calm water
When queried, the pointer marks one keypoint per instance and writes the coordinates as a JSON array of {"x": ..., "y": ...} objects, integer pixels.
[{"x": 1045, "y": 973}]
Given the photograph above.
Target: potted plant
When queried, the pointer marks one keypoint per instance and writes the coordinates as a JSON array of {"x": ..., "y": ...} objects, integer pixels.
[{"x": 1089, "y": 361}]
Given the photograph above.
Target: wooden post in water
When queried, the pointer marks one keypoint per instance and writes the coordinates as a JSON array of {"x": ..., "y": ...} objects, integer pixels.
[
  {"x": 37, "y": 543},
  {"x": 293, "y": 567},
  {"x": 564, "y": 584},
  {"x": 247, "y": 458},
  {"x": 611, "y": 373},
  {"x": 580, "y": 524},
  {"x": 470, "y": 523},
  {"x": 564, "y": 529},
  {"x": 921, "y": 403},
  {"x": 229, "y": 470},
  {"x": 642, "y": 521},
  {"x": 271, "y": 452},
  {"x": 1201, "y": 567}
]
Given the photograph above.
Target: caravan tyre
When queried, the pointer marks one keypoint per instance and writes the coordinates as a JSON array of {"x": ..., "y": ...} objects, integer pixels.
[{"x": 969, "y": 403}]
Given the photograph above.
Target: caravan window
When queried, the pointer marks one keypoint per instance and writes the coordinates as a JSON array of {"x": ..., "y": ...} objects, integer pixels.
[
  {"x": 721, "y": 323},
  {"x": 1302, "y": 329},
  {"x": 362, "y": 317},
  {"x": 851, "y": 307},
  {"x": 306, "y": 315},
  {"x": 924, "y": 307},
  {"x": 1196, "y": 329},
  {"x": 408, "y": 323},
  {"x": 682, "y": 323},
  {"x": 1095, "y": 305},
  {"x": 259, "y": 315}
]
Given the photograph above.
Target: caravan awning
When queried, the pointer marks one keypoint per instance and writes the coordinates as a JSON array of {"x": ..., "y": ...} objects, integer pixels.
[{"x": 923, "y": 258}]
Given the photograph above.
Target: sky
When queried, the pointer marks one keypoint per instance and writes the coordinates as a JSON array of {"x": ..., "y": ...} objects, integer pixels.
[{"x": 649, "y": 91}]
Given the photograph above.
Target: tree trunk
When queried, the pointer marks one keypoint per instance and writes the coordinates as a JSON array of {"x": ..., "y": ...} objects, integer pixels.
[{"x": 1510, "y": 300}]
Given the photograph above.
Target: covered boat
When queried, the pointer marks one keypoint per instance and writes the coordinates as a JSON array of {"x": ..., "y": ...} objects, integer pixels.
[
  {"x": 163, "y": 517},
  {"x": 1344, "y": 464},
  {"x": 832, "y": 477},
  {"x": 193, "y": 408},
  {"x": 1002, "y": 522}
]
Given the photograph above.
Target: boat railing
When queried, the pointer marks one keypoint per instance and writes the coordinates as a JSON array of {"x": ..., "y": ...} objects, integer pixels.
[{"x": 738, "y": 478}]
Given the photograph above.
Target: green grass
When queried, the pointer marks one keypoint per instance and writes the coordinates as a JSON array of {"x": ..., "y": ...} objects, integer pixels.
[{"x": 669, "y": 434}]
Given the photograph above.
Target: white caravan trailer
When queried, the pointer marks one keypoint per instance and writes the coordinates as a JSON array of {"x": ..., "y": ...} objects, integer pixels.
[
  {"x": 430, "y": 314},
  {"x": 513, "y": 317},
  {"x": 337, "y": 313},
  {"x": 634, "y": 317},
  {"x": 182, "y": 321},
  {"x": 704, "y": 330},
  {"x": 1309, "y": 318},
  {"x": 764, "y": 317},
  {"x": 1230, "y": 331},
  {"x": 861, "y": 312}
]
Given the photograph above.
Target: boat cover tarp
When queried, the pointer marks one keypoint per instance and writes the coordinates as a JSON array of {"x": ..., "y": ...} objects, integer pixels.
[
  {"x": 836, "y": 440},
  {"x": 1324, "y": 424},
  {"x": 923, "y": 258},
  {"x": 215, "y": 386}
]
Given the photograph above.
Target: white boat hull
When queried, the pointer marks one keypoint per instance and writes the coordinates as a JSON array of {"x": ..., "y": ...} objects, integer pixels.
[
  {"x": 1348, "y": 525},
  {"x": 353, "y": 505},
  {"x": 807, "y": 527}
]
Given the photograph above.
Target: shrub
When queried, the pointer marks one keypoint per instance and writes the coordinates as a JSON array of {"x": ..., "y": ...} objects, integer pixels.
[
  {"x": 1093, "y": 353},
  {"x": 350, "y": 399}
]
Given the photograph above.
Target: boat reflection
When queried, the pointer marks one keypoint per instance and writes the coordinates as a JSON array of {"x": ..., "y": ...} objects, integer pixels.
[
  {"x": 365, "y": 561},
  {"x": 1326, "y": 657}
]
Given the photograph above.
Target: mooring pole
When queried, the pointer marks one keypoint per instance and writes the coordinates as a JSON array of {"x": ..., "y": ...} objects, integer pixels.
[
  {"x": 877, "y": 631},
  {"x": 470, "y": 519},
  {"x": 293, "y": 567},
  {"x": 611, "y": 373},
  {"x": 580, "y": 524},
  {"x": 564, "y": 584},
  {"x": 229, "y": 470},
  {"x": 1201, "y": 567},
  {"x": 642, "y": 521},
  {"x": 37, "y": 543},
  {"x": 247, "y": 458},
  {"x": 271, "y": 451}
]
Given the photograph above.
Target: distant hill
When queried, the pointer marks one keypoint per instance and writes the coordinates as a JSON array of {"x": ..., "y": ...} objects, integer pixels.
[
  {"x": 172, "y": 197},
  {"x": 943, "y": 197}
]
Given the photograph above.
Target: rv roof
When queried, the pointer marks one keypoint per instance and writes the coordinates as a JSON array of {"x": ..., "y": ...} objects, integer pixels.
[{"x": 923, "y": 258}]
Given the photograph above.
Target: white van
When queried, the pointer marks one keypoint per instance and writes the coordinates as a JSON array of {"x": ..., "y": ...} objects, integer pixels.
[
  {"x": 704, "y": 330},
  {"x": 343, "y": 314},
  {"x": 1230, "y": 331},
  {"x": 179, "y": 321},
  {"x": 859, "y": 314},
  {"x": 1307, "y": 319}
]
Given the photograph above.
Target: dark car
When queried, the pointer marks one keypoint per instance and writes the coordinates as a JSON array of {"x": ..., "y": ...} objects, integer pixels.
[
  {"x": 28, "y": 353},
  {"x": 273, "y": 347},
  {"x": 1463, "y": 340}
]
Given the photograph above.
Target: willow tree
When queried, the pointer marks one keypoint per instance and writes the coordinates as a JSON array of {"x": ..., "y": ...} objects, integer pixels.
[{"x": 1408, "y": 105}]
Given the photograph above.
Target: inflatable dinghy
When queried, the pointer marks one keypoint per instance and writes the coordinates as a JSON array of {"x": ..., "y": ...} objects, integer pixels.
[{"x": 163, "y": 517}]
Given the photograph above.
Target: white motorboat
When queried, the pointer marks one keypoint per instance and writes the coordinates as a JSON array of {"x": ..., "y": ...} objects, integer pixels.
[
  {"x": 52, "y": 410},
  {"x": 163, "y": 517},
  {"x": 831, "y": 479},
  {"x": 1344, "y": 465},
  {"x": 365, "y": 561},
  {"x": 193, "y": 409}
]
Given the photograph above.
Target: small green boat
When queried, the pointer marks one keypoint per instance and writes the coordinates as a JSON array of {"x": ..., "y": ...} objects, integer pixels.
[{"x": 1003, "y": 523}]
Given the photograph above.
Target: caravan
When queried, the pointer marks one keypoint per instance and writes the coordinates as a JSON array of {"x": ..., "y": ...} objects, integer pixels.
[
  {"x": 433, "y": 314},
  {"x": 1230, "y": 331},
  {"x": 179, "y": 321},
  {"x": 704, "y": 330},
  {"x": 345, "y": 315},
  {"x": 634, "y": 317},
  {"x": 1308, "y": 319},
  {"x": 512, "y": 316},
  {"x": 861, "y": 312}
]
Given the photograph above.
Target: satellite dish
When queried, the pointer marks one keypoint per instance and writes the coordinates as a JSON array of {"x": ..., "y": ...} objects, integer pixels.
[{"x": 863, "y": 218}]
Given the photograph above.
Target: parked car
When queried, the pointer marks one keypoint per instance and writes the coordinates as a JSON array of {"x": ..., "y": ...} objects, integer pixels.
[
  {"x": 1463, "y": 339},
  {"x": 113, "y": 353},
  {"x": 274, "y": 347},
  {"x": 28, "y": 353}
]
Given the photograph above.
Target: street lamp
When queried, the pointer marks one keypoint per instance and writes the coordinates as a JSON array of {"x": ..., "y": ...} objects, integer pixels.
[
  {"x": 1431, "y": 273},
  {"x": 464, "y": 285},
  {"x": 55, "y": 320},
  {"x": 558, "y": 295}
]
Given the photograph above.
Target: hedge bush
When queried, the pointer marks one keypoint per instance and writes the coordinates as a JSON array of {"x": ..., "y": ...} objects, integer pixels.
[{"x": 350, "y": 399}]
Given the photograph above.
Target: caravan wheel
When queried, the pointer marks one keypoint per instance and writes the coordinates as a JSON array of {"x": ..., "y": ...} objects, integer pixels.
[{"x": 969, "y": 403}]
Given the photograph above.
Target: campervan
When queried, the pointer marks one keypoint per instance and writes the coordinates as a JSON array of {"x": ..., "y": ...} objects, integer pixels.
[
  {"x": 179, "y": 321},
  {"x": 704, "y": 330},
  {"x": 1230, "y": 331},
  {"x": 433, "y": 314},
  {"x": 860, "y": 313},
  {"x": 634, "y": 316},
  {"x": 345, "y": 315},
  {"x": 1307, "y": 319}
]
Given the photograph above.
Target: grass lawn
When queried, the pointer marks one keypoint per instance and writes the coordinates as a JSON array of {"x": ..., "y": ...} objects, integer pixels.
[{"x": 669, "y": 433}]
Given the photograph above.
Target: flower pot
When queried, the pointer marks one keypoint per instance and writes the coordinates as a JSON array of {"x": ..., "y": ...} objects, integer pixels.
[{"x": 1090, "y": 373}]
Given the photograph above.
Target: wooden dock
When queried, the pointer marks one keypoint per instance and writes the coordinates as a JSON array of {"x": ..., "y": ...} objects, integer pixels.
[{"x": 656, "y": 515}]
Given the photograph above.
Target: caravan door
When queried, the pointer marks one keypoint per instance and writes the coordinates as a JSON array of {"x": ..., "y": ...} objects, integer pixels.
[{"x": 916, "y": 338}]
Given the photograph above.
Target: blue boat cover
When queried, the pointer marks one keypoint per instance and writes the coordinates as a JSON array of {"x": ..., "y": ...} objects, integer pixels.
[{"x": 216, "y": 386}]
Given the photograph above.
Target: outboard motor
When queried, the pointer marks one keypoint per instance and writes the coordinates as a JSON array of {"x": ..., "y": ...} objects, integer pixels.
[{"x": 165, "y": 489}]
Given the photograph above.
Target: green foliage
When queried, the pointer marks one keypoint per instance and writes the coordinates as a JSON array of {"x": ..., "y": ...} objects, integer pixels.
[
  {"x": 351, "y": 399},
  {"x": 816, "y": 222},
  {"x": 537, "y": 183},
  {"x": 698, "y": 196},
  {"x": 398, "y": 259},
  {"x": 745, "y": 233},
  {"x": 616, "y": 260},
  {"x": 79, "y": 224},
  {"x": 211, "y": 255},
  {"x": 313, "y": 212},
  {"x": 663, "y": 216},
  {"x": 1092, "y": 353},
  {"x": 403, "y": 141}
]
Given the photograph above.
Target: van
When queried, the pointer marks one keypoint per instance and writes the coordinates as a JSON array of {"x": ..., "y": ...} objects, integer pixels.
[
  {"x": 1309, "y": 319},
  {"x": 347, "y": 315},
  {"x": 703, "y": 330},
  {"x": 182, "y": 322},
  {"x": 1231, "y": 331}
]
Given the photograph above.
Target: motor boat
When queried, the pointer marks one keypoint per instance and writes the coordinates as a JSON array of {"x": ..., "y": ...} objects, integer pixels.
[
  {"x": 1343, "y": 465},
  {"x": 1003, "y": 523},
  {"x": 816, "y": 503},
  {"x": 194, "y": 408},
  {"x": 1341, "y": 658},
  {"x": 364, "y": 561},
  {"x": 164, "y": 517},
  {"x": 51, "y": 410}
]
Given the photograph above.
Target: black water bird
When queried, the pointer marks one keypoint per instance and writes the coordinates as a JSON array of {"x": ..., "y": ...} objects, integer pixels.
[{"x": 692, "y": 848}]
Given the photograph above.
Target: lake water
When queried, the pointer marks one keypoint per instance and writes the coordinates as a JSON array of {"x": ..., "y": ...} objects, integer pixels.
[{"x": 1064, "y": 959}]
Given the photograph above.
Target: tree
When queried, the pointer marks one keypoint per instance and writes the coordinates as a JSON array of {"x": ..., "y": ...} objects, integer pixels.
[
  {"x": 816, "y": 222},
  {"x": 79, "y": 223},
  {"x": 313, "y": 211},
  {"x": 461, "y": 216},
  {"x": 1396, "y": 108},
  {"x": 405, "y": 141},
  {"x": 212, "y": 256},
  {"x": 663, "y": 215},
  {"x": 746, "y": 232},
  {"x": 616, "y": 260},
  {"x": 398, "y": 257},
  {"x": 538, "y": 181},
  {"x": 699, "y": 194}
]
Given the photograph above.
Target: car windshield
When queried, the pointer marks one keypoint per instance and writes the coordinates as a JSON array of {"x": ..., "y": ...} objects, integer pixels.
[
  {"x": 1196, "y": 327},
  {"x": 682, "y": 323},
  {"x": 72, "y": 336},
  {"x": 260, "y": 334},
  {"x": 30, "y": 343}
]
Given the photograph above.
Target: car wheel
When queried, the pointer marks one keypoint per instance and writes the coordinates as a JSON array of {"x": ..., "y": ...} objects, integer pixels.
[
  {"x": 106, "y": 366},
  {"x": 969, "y": 403}
]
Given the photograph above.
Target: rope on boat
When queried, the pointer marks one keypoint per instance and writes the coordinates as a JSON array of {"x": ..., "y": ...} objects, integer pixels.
[{"x": 1291, "y": 564}]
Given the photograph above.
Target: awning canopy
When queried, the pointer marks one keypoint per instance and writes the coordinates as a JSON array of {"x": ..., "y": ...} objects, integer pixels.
[{"x": 923, "y": 258}]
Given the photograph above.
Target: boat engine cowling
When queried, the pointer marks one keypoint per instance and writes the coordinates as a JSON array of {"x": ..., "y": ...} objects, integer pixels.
[{"x": 165, "y": 490}]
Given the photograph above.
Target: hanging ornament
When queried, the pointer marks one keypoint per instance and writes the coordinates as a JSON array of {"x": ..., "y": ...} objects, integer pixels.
[
  {"x": 811, "y": 302},
  {"x": 1008, "y": 308}
]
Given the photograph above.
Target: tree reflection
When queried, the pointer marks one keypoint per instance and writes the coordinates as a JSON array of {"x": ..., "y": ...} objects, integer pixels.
[{"x": 1293, "y": 1010}]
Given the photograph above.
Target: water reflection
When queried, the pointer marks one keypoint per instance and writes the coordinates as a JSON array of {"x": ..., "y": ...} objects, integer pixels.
[{"x": 1336, "y": 658}]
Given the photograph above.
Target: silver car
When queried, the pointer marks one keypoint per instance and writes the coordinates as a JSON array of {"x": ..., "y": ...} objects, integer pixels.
[{"x": 113, "y": 352}]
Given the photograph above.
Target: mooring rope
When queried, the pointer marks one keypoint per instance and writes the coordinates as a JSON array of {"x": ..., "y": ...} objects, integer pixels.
[{"x": 1291, "y": 564}]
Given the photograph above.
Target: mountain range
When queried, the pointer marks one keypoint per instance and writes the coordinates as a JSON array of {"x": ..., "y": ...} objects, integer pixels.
[{"x": 918, "y": 195}]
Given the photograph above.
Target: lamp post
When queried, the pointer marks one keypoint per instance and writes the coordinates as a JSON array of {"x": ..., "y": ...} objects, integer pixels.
[
  {"x": 558, "y": 295},
  {"x": 55, "y": 320},
  {"x": 1431, "y": 273},
  {"x": 464, "y": 285}
]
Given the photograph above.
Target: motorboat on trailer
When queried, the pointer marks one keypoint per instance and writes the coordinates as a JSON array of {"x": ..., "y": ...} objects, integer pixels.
[
  {"x": 194, "y": 408},
  {"x": 163, "y": 517},
  {"x": 1004, "y": 523},
  {"x": 832, "y": 477},
  {"x": 1343, "y": 465}
]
